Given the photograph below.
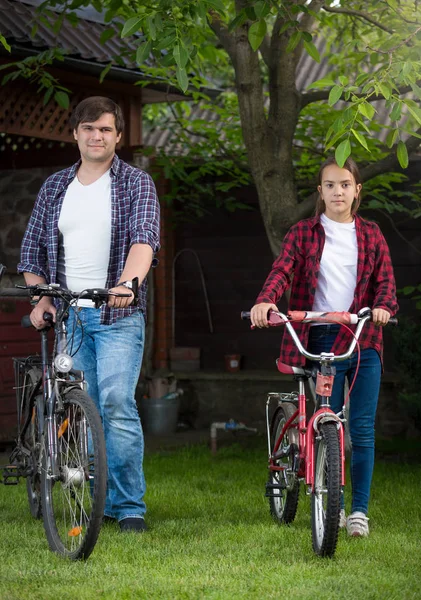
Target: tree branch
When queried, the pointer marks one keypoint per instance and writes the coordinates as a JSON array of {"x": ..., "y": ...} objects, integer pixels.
[
  {"x": 359, "y": 14},
  {"x": 224, "y": 36},
  {"x": 392, "y": 222},
  {"x": 317, "y": 95}
]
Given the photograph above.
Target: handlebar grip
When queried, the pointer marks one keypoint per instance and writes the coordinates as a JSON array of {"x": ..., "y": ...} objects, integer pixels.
[
  {"x": 135, "y": 288},
  {"x": 14, "y": 292},
  {"x": 245, "y": 315},
  {"x": 26, "y": 321}
]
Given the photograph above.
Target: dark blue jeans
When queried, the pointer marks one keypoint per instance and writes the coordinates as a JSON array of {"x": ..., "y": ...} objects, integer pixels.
[{"x": 362, "y": 408}]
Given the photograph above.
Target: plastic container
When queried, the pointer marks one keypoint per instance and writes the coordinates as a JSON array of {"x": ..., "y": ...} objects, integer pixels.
[
  {"x": 232, "y": 362},
  {"x": 159, "y": 415}
]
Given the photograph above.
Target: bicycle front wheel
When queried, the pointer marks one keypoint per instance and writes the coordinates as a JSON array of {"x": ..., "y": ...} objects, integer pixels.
[
  {"x": 326, "y": 496},
  {"x": 73, "y": 498}
]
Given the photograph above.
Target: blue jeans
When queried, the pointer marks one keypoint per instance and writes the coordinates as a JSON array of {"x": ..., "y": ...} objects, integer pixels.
[
  {"x": 362, "y": 408},
  {"x": 111, "y": 358}
]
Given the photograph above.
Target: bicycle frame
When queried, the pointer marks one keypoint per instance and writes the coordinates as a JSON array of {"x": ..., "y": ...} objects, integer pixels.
[{"x": 308, "y": 431}]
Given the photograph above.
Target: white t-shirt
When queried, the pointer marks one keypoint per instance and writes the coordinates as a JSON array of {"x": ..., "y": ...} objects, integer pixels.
[
  {"x": 338, "y": 267},
  {"x": 85, "y": 234}
]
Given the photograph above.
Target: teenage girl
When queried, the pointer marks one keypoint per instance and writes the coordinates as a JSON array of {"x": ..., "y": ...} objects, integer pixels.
[{"x": 339, "y": 261}]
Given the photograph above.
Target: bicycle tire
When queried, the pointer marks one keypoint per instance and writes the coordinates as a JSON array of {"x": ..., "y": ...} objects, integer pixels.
[
  {"x": 326, "y": 496},
  {"x": 73, "y": 504},
  {"x": 32, "y": 441},
  {"x": 283, "y": 501}
]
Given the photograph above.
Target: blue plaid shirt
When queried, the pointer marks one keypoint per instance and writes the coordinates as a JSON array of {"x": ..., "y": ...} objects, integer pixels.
[{"x": 134, "y": 220}]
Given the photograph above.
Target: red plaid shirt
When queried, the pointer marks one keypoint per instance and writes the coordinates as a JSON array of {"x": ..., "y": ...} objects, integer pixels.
[{"x": 299, "y": 261}]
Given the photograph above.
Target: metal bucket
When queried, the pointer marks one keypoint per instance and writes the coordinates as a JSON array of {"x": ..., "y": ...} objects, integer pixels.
[{"x": 159, "y": 415}]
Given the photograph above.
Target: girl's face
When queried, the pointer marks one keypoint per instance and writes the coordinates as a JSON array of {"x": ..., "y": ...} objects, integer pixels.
[{"x": 338, "y": 191}]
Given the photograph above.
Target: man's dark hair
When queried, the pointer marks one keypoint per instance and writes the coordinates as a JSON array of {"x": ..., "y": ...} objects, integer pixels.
[{"x": 91, "y": 109}]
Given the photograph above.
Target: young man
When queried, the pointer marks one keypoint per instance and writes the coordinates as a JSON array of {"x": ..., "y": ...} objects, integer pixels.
[{"x": 96, "y": 224}]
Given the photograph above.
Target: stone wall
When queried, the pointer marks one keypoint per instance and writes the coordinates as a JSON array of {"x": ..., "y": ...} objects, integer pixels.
[{"x": 18, "y": 192}]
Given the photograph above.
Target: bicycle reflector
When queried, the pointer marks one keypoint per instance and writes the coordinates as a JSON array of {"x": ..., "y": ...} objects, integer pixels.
[{"x": 63, "y": 362}]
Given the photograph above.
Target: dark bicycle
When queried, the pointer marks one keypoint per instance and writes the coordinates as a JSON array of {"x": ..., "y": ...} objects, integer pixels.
[{"x": 60, "y": 446}]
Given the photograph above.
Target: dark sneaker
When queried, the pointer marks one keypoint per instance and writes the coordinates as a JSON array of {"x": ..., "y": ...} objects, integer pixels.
[{"x": 133, "y": 524}]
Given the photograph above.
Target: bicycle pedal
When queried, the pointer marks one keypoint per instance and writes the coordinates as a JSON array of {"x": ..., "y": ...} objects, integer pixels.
[
  {"x": 275, "y": 486},
  {"x": 10, "y": 475}
]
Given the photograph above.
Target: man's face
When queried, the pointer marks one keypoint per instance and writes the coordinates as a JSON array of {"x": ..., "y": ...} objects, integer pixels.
[{"x": 97, "y": 140}]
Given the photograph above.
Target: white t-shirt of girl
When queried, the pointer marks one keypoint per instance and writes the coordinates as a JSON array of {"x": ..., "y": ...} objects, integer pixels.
[
  {"x": 85, "y": 234},
  {"x": 338, "y": 267}
]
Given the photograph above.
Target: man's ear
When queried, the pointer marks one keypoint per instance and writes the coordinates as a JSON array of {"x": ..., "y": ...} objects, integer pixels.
[
  {"x": 75, "y": 134},
  {"x": 118, "y": 138}
]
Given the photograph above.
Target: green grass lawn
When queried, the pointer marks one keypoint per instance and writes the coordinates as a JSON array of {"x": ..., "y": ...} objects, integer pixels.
[{"x": 211, "y": 536}]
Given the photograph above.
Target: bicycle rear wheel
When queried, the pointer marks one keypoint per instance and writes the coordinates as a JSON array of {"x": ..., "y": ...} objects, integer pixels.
[
  {"x": 283, "y": 486},
  {"x": 326, "y": 496},
  {"x": 73, "y": 502},
  {"x": 32, "y": 441}
]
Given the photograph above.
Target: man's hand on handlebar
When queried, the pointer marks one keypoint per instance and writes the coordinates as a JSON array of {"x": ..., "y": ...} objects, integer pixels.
[
  {"x": 36, "y": 316},
  {"x": 380, "y": 317},
  {"x": 259, "y": 314},
  {"x": 120, "y": 302}
]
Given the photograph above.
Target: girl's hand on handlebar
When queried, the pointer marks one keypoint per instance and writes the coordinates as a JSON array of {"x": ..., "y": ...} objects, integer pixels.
[
  {"x": 259, "y": 314},
  {"x": 379, "y": 316},
  {"x": 122, "y": 302},
  {"x": 36, "y": 316}
]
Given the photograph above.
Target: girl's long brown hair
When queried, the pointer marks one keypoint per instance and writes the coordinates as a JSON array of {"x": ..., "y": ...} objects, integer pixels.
[{"x": 352, "y": 167}]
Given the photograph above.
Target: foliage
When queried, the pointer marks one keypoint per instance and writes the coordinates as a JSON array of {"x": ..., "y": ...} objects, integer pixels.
[
  {"x": 407, "y": 338},
  {"x": 251, "y": 49},
  {"x": 33, "y": 69}
]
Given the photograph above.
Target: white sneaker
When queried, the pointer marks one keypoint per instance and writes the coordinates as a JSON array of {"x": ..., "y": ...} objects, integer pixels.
[
  {"x": 357, "y": 525},
  {"x": 342, "y": 519}
]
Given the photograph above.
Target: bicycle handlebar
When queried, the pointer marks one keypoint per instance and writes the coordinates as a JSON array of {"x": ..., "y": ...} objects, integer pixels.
[{"x": 277, "y": 319}]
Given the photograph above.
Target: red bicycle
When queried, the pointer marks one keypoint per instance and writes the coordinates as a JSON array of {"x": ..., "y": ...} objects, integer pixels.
[{"x": 311, "y": 450}]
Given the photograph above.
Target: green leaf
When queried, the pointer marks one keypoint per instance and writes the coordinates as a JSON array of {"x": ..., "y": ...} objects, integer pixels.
[
  {"x": 342, "y": 152},
  {"x": 362, "y": 78},
  {"x": 366, "y": 110},
  {"x": 62, "y": 99},
  {"x": 217, "y": 4},
  {"x": 104, "y": 72},
  {"x": 321, "y": 83},
  {"x": 409, "y": 289},
  {"x": 262, "y": 9},
  {"x": 143, "y": 51},
  {"x": 151, "y": 26},
  {"x": 257, "y": 33},
  {"x": 238, "y": 21},
  {"x": 343, "y": 80},
  {"x": 385, "y": 90},
  {"x": 47, "y": 95},
  {"x": 106, "y": 35},
  {"x": 182, "y": 78},
  {"x": 181, "y": 55},
  {"x": 4, "y": 43},
  {"x": 334, "y": 94},
  {"x": 131, "y": 26},
  {"x": 293, "y": 41},
  {"x": 312, "y": 51},
  {"x": 415, "y": 111},
  {"x": 396, "y": 113},
  {"x": 391, "y": 137},
  {"x": 361, "y": 139},
  {"x": 402, "y": 154}
]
